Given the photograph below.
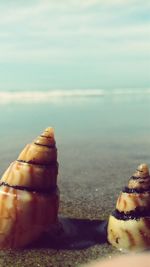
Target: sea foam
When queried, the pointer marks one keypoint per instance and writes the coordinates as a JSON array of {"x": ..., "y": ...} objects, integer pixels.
[{"x": 52, "y": 95}]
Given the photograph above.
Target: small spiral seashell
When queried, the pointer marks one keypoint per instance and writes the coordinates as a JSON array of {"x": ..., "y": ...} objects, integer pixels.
[
  {"x": 29, "y": 195},
  {"x": 129, "y": 224}
]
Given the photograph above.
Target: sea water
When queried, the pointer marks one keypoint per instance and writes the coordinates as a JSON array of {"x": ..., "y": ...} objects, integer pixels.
[{"x": 94, "y": 124}]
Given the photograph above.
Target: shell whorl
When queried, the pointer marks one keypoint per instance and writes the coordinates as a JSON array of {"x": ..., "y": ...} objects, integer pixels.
[
  {"x": 140, "y": 179},
  {"x": 42, "y": 150},
  {"x": 142, "y": 171},
  {"x": 46, "y": 138},
  {"x": 129, "y": 224}
]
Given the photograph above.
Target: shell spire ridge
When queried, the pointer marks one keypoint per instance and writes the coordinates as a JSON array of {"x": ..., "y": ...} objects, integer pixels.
[
  {"x": 142, "y": 171},
  {"x": 49, "y": 131},
  {"x": 42, "y": 150},
  {"x": 129, "y": 223}
]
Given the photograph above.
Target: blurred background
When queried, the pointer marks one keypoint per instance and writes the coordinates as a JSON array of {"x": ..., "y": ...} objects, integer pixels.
[
  {"x": 83, "y": 67},
  {"x": 72, "y": 44}
]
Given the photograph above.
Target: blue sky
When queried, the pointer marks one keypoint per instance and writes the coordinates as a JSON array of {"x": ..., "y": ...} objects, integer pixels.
[{"x": 74, "y": 44}]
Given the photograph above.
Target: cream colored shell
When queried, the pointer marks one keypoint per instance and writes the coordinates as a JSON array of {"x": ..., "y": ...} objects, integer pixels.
[
  {"x": 29, "y": 197},
  {"x": 31, "y": 176},
  {"x": 24, "y": 216},
  {"x": 129, "y": 235},
  {"x": 129, "y": 225},
  {"x": 130, "y": 201}
]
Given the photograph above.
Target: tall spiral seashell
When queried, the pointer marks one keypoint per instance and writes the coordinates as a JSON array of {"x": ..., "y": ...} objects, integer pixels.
[
  {"x": 29, "y": 197},
  {"x": 129, "y": 224}
]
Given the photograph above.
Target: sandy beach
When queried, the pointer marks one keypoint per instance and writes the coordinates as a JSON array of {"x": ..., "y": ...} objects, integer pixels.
[{"x": 100, "y": 142}]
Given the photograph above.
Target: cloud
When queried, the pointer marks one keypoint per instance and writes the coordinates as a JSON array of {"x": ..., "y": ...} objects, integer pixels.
[
  {"x": 18, "y": 12},
  {"x": 71, "y": 32}
]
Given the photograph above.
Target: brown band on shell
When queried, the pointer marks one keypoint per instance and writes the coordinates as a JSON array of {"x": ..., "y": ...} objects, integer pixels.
[
  {"x": 42, "y": 165},
  {"x": 147, "y": 223},
  {"x": 138, "y": 177},
  {"x": 49, "y": 146},
  {"x": 31, "y": 189},
  {"x": 145, "y": 237},
  {"x": 135, "y": 214},
  {"x": 131, "y": 238},
  {"x": 124, "y": 203},
  {"x": 135, "y": 199},
  {"x": 135, "y": 190},
  {"x": 49, "y": 137}
]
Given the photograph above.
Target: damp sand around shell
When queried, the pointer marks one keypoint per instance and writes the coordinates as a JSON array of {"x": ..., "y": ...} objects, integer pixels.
[
  {"x": 83, "y": 214},
  {"x": 88, "y": 194},
  {"x": 75, "y": 241}
]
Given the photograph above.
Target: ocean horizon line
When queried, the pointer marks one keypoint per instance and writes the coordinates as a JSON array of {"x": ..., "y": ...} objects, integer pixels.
[{"x": 46, "y": 96}]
